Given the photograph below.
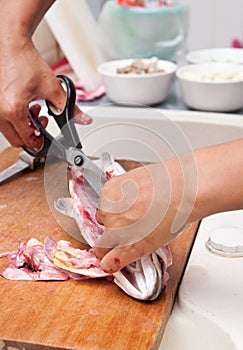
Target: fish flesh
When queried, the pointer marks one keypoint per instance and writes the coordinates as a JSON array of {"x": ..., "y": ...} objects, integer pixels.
[
  {"x": 143, "y": 279},
  {"x": 29, "y": 262}
]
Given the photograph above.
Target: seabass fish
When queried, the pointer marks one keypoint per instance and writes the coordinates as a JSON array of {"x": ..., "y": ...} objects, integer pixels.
[{"x": 143, "y": 279}]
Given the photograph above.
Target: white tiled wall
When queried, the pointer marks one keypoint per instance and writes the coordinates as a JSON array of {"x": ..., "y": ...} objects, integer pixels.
[{"x": 214, "y": 23}]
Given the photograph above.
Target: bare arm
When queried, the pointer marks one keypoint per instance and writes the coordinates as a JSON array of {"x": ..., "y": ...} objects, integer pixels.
[
  {"x": 24, "y": 75},
  {"x": 220, "y": 180},
  {"x": 170, "y": 195},
  {"x": 21, "y": 17}
]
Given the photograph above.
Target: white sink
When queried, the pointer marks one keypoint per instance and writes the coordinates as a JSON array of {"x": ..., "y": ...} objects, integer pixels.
[{"x": 149, "y": 134}]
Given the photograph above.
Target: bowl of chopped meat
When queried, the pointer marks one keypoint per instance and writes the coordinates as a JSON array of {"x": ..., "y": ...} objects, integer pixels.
[{"x": 137, "y": 81}]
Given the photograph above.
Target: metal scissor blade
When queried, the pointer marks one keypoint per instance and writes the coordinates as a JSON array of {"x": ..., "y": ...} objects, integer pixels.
[
  {"x": 94, "y": 176},
  {"x": 14, "y": 169},
  {"x": 91, "y": 172},
  {"x": 25, "y": 161}
]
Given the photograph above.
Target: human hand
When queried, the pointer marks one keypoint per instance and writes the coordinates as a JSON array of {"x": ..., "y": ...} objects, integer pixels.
[
  {"x": 169, "y": 196},
  {"x": 26, "y": 77},
  {"x": 141, "y": 212}
]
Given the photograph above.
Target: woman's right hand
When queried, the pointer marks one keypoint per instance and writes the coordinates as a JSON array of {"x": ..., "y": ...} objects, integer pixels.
[{"x": 24, "y": 77}]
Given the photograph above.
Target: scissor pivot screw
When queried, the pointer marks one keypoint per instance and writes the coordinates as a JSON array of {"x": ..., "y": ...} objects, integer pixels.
[{"x": 78, "y": 160}]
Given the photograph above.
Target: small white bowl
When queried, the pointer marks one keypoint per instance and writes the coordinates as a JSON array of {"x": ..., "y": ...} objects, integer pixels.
[
  {"x": 216, "y": 55},
  {"x": 216, "y": 87},
  {"x": 145, "y": 89}
]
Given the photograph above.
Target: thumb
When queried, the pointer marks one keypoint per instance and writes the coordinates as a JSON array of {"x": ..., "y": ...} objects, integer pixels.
[
  {"x": 119, "y": 257},
  {"x": 112, "y": 261}
]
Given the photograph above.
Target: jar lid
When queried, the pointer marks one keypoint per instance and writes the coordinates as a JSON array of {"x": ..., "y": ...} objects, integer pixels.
[{"x": 226, "y": 241}]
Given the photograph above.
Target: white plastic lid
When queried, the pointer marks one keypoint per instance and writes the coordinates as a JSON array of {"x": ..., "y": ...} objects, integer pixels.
[{"x": 226, "y": 241}]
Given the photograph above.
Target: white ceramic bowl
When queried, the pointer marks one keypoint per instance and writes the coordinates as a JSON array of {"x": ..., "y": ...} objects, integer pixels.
[
  {"x": 129, "y": 89},
  {"x": 214, "y": 55},
  {"x": 216, "y": 87}
]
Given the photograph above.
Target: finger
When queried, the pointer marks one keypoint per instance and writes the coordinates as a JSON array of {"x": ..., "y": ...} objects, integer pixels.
[
  {"x": 114, "y": 259},
  {"x": 57, "y": 97},
  {"x": 55, "y": 93},
  {"x": 119, "y": 257},
  {"x": 37, "y": 138},
  {"x": 35, "y": 109},
  {"x": 82, "y": 118},
  {"x": 10, "y": 134},
  {"x": 100, "y": 252},
  {"x": 26, "y": 131},
  {"x": 18, "y": 129},
  {"x": 98, "y": 217},
  {"x": 44, "y": 121}
]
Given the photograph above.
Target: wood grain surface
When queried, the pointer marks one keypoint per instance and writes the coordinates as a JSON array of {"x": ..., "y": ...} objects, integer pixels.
[{"x": 90, "y": 314}]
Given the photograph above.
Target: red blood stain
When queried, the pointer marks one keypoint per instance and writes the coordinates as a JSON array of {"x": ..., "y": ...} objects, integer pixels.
[{"x": 117, "y": 262}]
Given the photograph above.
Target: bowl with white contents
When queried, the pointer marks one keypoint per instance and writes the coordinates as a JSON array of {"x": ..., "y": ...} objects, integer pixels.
[
  {"x": 216, "y": 87},
  {"x": 216, "y": 55},
  {"x": 137, "y": 81}
]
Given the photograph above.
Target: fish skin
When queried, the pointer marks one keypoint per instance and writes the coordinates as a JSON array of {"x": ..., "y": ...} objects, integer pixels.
[{"x": 143, "y": 279}]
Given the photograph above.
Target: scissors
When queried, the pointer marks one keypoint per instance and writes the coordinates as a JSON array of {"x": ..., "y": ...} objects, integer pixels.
[{"x": 70, "y": 148}]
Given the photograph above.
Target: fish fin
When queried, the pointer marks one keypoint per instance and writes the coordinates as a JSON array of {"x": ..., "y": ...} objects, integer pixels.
[
  {"x": 106, "y": 160},
  {"x": 109, "y": 164},
  {"x": 65, "y": 206}
]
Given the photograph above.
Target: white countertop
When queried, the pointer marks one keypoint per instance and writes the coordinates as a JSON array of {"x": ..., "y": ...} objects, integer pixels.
[{"x": 208, "y": 311}]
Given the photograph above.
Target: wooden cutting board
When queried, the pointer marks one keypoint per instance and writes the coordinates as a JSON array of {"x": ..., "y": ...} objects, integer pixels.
[{"x": 90, "y": 314}]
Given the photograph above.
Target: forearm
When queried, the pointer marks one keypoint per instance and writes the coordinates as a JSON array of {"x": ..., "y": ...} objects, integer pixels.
[
  {"x": 170, "y": 195},
  {"x": 220, "y": 179},
  {"x": 21, "y": 17}
]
